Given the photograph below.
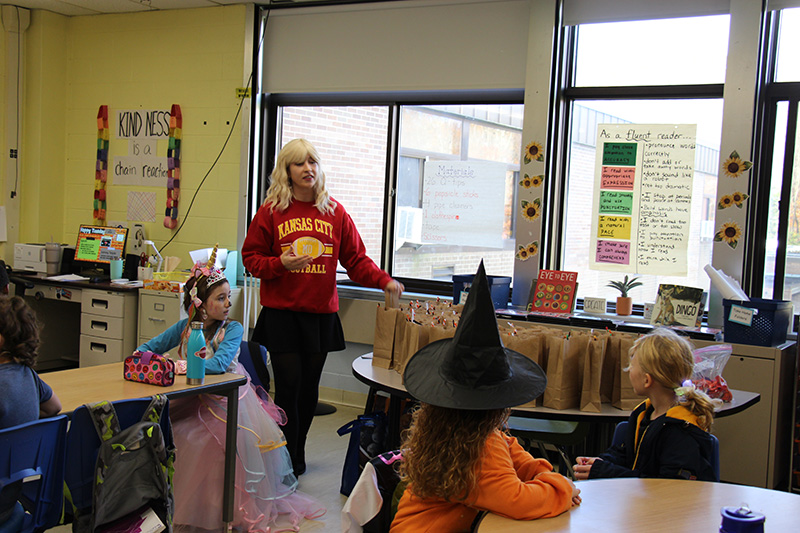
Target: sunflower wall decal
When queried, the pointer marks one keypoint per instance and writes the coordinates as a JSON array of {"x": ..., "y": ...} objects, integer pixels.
[
  {"x": 526, "y": 252},
  {"x": 531, "y": 181},
  {"x": 531, "y": 210},
  {"x": 729, "y": 200},
  {"x": 729, "y": 233},
  {"x": 534, "y": 152},
  {"x": 734, "y": 166}
]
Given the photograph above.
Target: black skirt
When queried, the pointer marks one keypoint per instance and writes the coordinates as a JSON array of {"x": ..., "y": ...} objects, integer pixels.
[{"x": 283, "y": 331}]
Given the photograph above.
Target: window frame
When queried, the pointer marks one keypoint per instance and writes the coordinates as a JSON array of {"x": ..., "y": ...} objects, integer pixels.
[{"x": 269, "y": 113}]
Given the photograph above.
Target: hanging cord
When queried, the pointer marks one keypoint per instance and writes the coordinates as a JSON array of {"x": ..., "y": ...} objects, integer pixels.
[{"x": 228, "y": 138}]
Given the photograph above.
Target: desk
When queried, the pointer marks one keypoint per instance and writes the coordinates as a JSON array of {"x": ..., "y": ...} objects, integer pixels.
[
  {"x": 391, "y": 382},
  {"x": 78, "y": 386},
  {"x": 633, "y": 505},
  {"x": 83, "y": 323}
]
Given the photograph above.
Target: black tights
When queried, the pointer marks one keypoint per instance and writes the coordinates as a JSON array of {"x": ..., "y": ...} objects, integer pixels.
[{"x": 297, "y": 378}]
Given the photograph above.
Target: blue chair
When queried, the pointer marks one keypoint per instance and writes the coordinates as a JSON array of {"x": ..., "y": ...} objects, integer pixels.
[
  {"x": 619, "y": 436},
  {"x": 83, "y": 444},
  {"x": 32, "y": 471},
  {"x": 253, "y": 357}
]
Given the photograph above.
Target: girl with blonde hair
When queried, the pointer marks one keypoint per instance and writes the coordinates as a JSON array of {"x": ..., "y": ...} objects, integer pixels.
[
  {"x": 667, "y": 434},
  {"x": 293, "y": 245}
]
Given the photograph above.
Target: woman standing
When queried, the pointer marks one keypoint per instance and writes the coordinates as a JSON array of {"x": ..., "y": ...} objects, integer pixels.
[{"x": 293, "y": 245}]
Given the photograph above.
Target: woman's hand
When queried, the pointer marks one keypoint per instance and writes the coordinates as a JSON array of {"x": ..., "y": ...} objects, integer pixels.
[
  {"x": 295, "y": 262},
  {"x": 583, "y": 467},
  {"x": 394, "y": 287}
]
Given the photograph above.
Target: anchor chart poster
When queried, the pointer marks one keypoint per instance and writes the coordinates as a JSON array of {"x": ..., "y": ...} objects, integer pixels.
[{"x": 642, "y": 204}]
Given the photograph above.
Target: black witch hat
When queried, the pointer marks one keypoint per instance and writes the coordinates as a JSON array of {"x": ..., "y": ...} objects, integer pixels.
[{"x": 473, "y": 370}]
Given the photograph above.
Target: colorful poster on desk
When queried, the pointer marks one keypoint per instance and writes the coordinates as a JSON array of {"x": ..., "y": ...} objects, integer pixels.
[{"x": 554, "y": 291}]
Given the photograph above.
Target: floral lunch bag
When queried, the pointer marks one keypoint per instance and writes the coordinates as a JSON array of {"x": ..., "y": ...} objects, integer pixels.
[{"x": 150, "y": 368}]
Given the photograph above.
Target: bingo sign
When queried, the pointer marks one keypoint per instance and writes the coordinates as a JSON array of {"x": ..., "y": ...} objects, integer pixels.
[{"x": 463, "y": 203}]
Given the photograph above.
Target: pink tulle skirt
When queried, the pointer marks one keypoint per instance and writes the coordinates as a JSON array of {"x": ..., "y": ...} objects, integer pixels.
[{"x": 266, "y": 496}]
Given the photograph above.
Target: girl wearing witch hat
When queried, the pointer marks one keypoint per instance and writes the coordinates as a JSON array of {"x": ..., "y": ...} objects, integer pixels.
[{"x": 457, "y": 458}]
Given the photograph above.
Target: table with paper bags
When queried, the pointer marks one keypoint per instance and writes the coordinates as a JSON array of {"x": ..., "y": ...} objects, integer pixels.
[{"x": 584, "y": 368}]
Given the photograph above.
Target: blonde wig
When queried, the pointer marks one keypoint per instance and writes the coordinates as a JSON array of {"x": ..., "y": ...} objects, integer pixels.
[
  {"x": 279, "y": 194},
  {"x": 669, "y": 360},
  {"x": 443, "y": 447}
]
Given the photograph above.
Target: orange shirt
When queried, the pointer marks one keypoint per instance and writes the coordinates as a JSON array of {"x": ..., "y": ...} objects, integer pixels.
[{"x": 511, "y": 483}]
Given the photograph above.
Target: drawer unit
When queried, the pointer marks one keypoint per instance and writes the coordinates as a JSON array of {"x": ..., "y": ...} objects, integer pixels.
[
  {"x": 108, "y": 326},
  {"x": 158, "y": 310}
]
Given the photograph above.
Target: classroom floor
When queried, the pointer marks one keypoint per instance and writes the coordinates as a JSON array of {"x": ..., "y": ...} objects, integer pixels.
[{"x": 324, "y": 457}]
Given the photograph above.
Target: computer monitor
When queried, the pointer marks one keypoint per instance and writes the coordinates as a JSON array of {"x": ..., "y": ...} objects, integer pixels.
[{"x": 97, "y": 246}]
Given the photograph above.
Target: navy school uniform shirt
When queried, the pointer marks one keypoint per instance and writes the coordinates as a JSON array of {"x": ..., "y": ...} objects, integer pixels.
[
  {"x": 670, "y": 446},
  {"x": 23, "y": 391}
]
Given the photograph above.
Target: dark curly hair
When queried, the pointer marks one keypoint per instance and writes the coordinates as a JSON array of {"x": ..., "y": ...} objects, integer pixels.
[
  {"x": 19, "y": 331},
  {"x": 443, "y": 447}
]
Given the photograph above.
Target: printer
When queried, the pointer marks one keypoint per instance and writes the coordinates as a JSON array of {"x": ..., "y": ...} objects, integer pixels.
[{"x": 34, "y": 258}]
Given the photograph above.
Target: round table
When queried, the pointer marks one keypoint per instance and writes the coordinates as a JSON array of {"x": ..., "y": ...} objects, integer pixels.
[{"x": 634, "y": 505}]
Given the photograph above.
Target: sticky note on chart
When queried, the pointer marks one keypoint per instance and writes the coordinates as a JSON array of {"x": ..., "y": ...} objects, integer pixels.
[
  {"x": 614, "y": 252},
  {"x": 614, "y": 227},
  {"x": 619, "y": 178},
  {"x": 616, "y": 202}
]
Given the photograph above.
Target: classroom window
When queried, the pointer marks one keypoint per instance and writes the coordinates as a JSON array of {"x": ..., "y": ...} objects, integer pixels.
[
  {"x": 637, "y": 73},
  {"x": 467, "y": 137},
  {"x": 778, "y": 211}
]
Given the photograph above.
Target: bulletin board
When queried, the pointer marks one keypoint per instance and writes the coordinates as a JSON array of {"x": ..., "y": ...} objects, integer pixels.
[{"x": 642, "y": 203}]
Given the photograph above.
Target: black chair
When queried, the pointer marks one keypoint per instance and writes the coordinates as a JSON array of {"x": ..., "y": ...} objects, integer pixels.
[{"x": 559, "y": 434}]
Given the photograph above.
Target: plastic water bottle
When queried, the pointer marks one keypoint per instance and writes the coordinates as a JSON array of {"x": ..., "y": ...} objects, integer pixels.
[
  {"x": 741, "y": 520},
  {"x": 195, "y": 364}
]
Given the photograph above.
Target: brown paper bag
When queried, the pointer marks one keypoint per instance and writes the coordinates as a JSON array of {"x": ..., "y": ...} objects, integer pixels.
[
  {"x": 383, "y": 345},
  {"x": 563, "y": 388},
  {"x": 592, "y": 373},
  {"x": 416, "y": 338},
  {"x": 624, "y": 397},
  {"x": 610, "y": 362},
  {"x": 399, "y": 350},
  {"x": 529, "y": 343}
]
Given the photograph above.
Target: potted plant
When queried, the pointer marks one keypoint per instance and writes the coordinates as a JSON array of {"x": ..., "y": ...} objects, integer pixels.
[{"x": 624, "y": 302}]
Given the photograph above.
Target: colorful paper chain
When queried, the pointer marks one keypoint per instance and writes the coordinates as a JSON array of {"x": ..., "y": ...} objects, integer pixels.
[
  {"x": 101, "y": 168},
  {"x": 173, "y": 167}
]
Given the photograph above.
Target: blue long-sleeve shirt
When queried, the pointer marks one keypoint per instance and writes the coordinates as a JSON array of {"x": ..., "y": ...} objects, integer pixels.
[{"x": 225, "y": 356}]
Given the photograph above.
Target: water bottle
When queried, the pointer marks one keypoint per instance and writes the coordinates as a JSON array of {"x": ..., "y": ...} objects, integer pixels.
[
  {"x": 741, "y": 520},
  {"x": 195, "y": 364}
]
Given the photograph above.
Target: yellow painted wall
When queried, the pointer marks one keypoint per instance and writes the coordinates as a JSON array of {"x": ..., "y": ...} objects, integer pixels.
[{"x": 148, "y": 61}]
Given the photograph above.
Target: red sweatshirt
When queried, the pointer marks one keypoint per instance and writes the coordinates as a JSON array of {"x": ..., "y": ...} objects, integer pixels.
[{"x": 327, "y": 238}]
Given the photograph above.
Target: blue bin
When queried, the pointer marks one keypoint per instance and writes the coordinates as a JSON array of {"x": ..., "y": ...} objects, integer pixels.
[
  {"x": 500, "y": 286},
  {"x": 770, "y": 323}
]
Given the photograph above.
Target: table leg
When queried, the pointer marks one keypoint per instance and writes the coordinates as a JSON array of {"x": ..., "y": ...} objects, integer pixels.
[
  {"x": 230, "y": 456},
  {"x": 395, "y": 403}
]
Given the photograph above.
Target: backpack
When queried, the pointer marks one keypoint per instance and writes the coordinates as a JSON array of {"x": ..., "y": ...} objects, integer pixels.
[{"x": 133, "y": 473}]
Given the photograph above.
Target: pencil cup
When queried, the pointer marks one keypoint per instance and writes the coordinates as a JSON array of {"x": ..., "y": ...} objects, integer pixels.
[
  {"x": 116, "y": 268},
  {"x": 143, "y": 273}
]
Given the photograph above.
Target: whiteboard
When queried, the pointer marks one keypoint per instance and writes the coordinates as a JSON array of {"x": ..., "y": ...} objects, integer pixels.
[{"x": 463, "y": 203}]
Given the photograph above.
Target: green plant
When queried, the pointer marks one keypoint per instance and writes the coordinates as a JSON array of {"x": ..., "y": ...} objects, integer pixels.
[{"x": 625, "y": 285}]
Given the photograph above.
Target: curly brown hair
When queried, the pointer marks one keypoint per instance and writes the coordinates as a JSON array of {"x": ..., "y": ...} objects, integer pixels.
[
  {"x": 19, "y": 331},
  {"x": 443, "y": 447}
]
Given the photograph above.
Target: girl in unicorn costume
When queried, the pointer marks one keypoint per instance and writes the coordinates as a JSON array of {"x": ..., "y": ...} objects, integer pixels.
[{"x": 266, "y": 496}]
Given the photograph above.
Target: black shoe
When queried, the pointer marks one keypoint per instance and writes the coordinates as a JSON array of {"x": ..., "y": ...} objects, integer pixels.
[{"x": 299, "y": 468}]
